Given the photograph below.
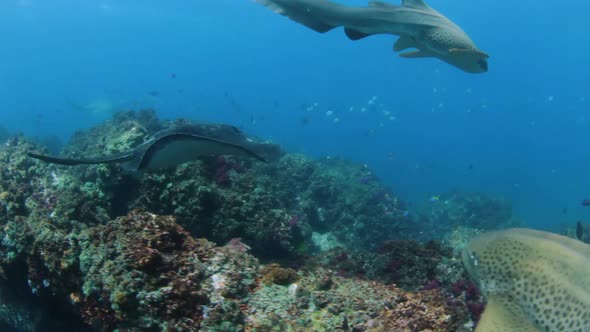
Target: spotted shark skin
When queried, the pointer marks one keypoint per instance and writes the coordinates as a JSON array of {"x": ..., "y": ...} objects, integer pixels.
[{"x": 533, "y": 281}]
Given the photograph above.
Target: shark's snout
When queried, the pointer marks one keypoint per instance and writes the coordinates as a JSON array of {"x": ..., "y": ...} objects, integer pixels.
[{"x": 471, "y": 61}]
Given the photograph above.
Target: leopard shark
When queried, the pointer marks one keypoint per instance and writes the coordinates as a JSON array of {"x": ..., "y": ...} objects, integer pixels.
[
  {"x": 176, "y": 145},
  {"x": 418, "y": 26},
  {"x": 533, "y": 281}
]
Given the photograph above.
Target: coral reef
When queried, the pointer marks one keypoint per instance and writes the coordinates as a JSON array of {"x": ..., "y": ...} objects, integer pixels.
[
  {"x": 473, "y": 210},
  {"x": 275, "y": 208},
  {"x": 137, "y": 272},
  {"x": 571, "y": 231},
  {"x": 321, "y": 301},
  {"x": 4, "y": 134},
  {"x": 406, "y": 264},
  {"x": 93, "y": 248},
  {"x": 341, "y": 199},
  {"x": 275, "y": 274}
]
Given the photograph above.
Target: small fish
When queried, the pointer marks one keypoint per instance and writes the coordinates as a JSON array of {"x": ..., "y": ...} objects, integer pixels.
[
  {"x": 154, "y": 93},
  {"x": 305, "y": 120},
  {"x": 366, "y": 179},
  {"x": 173, "y": 76},
  {"x": 586, "y": 202},
  {"x": 579, "y": 230},
  {"x": 233, "y": 102},
  {"x": 434, "y": 198}
]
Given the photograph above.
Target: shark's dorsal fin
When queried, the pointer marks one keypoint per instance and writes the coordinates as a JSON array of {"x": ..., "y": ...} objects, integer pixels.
[
  {"x": 381, "y": 4},
  {"x": 418, "y": 4}
]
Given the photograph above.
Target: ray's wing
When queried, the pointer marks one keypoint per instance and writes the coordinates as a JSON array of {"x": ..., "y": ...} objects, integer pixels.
[
  {"x": 167, "y": 150},
  {"x": 176, "y": 148}
]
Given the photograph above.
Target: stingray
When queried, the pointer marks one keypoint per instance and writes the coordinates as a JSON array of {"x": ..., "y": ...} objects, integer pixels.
[{"x": 175, "y": 146}]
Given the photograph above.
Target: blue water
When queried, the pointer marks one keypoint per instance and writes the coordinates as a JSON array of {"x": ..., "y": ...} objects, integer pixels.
[{"x": 520, "y": 131}]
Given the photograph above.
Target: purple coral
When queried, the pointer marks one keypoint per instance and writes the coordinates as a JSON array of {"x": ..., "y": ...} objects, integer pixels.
[{"x": 432, "y": 284}]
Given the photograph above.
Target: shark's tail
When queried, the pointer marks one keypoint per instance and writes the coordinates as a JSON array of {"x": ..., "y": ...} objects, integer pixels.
[{"x": 314, "y": 14}]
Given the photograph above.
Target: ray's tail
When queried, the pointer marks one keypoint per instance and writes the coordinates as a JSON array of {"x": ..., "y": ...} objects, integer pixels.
[{"x": 83, "y": 161}]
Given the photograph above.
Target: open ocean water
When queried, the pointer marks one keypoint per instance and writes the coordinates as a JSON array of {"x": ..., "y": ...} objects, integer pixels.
[{"x": 519, "y": 131}]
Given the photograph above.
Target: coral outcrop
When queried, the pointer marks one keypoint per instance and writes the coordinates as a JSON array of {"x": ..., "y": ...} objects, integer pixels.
[
  {"x": 472, "y": 210},
  {"x": 220, "y": 244}
]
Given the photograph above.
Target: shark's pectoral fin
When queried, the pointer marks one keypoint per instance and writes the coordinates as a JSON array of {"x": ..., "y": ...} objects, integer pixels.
[
  {"x": 502, "y": 314},
  {"x": 468, "y": 52},
  {"x": 355, "y": 34},
  {"x": 417, "y": 54},
  {"x": 317, "y": 26},
  {"x": 404, "y": 42}
]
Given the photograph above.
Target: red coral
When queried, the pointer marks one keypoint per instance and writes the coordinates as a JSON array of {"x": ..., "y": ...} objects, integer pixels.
[
  {"x": 458, "y": 287},
  {"x": 153, "y": 256},
  {"x": 472, "y": 292},
  {"x": 236, "y": 244},
  {"x": 423, "y": 311}
]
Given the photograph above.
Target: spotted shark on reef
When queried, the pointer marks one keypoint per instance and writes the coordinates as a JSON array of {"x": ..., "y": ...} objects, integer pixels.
[
  {"x": 418, "y": 25},
  {"x": 533, "y": 281},
  {"x": 177, "y": 145}
]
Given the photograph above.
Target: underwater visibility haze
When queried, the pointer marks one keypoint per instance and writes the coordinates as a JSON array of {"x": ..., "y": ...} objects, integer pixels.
[{"x": 300, "y": 165}]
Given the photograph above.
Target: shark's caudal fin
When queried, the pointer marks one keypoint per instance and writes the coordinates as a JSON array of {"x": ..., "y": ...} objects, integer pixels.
[{"x": 302, "y": 11}]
